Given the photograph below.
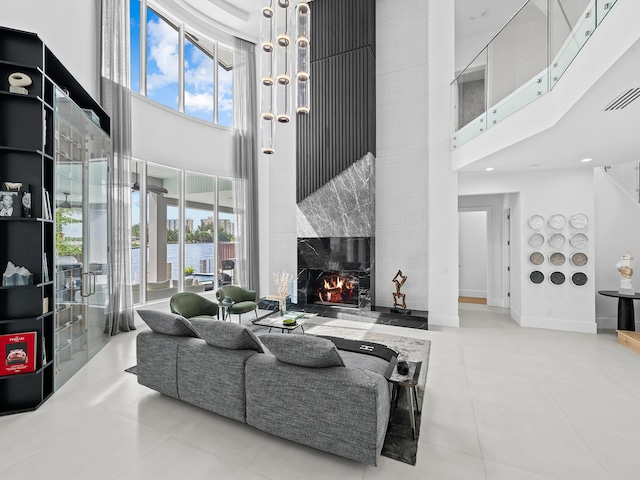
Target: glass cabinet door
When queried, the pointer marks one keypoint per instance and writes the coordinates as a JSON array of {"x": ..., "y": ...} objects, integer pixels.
[{"x": 82, "y": 150}]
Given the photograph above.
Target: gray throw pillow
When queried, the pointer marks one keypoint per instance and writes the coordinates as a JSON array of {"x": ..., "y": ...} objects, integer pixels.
[
  {"x": 226, "y": 335},
  {"x": 167, "y": 323},
  {"x": 303, "y": 350}
]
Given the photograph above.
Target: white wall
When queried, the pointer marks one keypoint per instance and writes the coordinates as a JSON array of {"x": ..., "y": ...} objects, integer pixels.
[
  {"x": 563, "y": 307},
  {"x": 442, "y": 184},
  {"x": 401, "y": 152},
  {"x": 617, "y": 218},
  {"x": 164, "y": 136},
  {"x": 494, "y": 206},
  {"x": 474, "y": 258},
  {"x": 68, "y": 27}
]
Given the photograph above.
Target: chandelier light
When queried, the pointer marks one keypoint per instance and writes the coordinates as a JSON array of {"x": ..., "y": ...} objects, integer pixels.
[{"x": 284, "y": 64}]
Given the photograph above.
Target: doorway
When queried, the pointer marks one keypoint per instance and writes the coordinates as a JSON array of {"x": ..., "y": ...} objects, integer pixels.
[{"x": 474, "y": 256}]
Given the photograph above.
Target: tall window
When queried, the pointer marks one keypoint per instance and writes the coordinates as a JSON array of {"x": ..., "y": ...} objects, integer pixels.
[
  {"x": 134, "y": 38},
  {"x": 168, "y": 263},
  {"x": 225, "y": 86},
  {"x": 198, "y": 78},
  {"x": 162, "y": 61},
  {"x": 204, "y": 62}
]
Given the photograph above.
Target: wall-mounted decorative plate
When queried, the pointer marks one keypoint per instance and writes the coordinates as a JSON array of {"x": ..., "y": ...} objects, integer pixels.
[
  {"x": 536, "y": 240},
  {"x": 579, "y": 240},
  {"x": 578, "y": 220},
  {"x": 557, "y": 278},
  {"x": 536, "y": 277},
  {"x": 579, "y": 259},
  {"x": 557, "y": 221},
  {"x": 579, "y": 279},
  {"x": 557, "y": 259},
  {"x": 536, "y": 258},
  {"x": 536, "y": 221},
  {"x": 557, "y": 240}
]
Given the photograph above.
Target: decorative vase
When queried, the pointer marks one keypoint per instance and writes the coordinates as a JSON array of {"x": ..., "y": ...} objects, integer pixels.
[{"x": 282, "y": 302}]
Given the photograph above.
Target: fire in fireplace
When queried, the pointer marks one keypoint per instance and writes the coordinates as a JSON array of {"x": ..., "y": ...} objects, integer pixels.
[{"x": 337, "y": 288}]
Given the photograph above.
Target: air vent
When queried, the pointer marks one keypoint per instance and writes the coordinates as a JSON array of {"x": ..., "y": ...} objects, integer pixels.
[{"x": 624, "y": 99}]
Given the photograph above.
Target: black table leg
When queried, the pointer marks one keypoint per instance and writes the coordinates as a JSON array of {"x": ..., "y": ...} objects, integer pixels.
[{"x": 626, "y": 315}]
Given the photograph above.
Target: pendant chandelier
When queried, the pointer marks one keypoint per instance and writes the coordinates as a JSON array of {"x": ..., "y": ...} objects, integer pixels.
[{"x": 284, "y": 49}]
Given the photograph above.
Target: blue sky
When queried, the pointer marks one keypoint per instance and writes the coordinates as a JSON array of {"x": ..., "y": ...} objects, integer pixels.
[{"x": 162, "y": 70}]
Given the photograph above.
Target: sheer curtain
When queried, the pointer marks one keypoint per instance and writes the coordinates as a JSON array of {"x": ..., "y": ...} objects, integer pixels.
[
  {"x": 115, "y": 97},
  {"x": 245, "y": 169}
]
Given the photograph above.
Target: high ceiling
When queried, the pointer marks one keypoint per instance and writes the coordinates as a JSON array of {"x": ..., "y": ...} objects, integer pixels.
[{"x": 481, "y": 18}]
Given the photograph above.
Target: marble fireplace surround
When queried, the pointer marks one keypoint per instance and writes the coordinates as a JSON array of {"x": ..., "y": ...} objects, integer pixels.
[{"x": 335, "y": 229}]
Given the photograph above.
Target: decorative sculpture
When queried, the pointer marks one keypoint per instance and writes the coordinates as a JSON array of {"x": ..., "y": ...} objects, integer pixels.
[
  {"x": 398, "y": 296},
  {"x": 625, "y": 268},
  {"x": 18, "y": 81},
  {"x": 283, "y": 286}
]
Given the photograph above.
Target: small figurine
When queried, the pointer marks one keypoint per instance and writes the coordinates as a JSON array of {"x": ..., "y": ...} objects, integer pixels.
[
  {"x": 625, "y": 268},
  {"x": 18, "y": 81},
  {"x": 399, "y": 297}
]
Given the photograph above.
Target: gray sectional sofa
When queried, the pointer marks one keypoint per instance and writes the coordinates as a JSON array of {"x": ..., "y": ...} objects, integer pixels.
[{"x": 299, "y": 387}]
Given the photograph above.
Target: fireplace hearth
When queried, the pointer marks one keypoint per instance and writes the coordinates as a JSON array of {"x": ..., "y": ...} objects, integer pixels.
[{"x": 335, "y": 271}]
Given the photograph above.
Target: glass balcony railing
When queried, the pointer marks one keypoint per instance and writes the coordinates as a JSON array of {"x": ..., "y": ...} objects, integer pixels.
[
  {"x": 522, "y": 62},
  {"x": 627, "y": 177}
]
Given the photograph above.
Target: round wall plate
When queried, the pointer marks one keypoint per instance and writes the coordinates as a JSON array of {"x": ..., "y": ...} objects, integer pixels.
[
  {"x": 579, "y": 279},
  {"x": 536, "y": 222},
  {"x": 536, "y": 258},
  {"x": 579, "y": 259},
  {"x": 578, "y": 220},
  {"x": 536, "y": 277},
  {"x": 557, "y": 221},
  {"x": 536, "y": 240},
  {"x": 556, "y": 240},
  {"x": 557, "y": 259},
  {"x": 557, "y": 278},
  {"x": 579, "y": 240}
]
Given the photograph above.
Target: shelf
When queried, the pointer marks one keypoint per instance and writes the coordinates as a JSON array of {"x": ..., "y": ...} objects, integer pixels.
[
  {"x": 21, "y": 95},
  {"x": 38, "y": 318},
  {"x": 23, "y": 219},
  {"x": 23, "y": 66}
]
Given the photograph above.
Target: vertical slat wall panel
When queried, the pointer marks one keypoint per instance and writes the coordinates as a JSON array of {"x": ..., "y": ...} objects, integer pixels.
[{"x": 340, "y": 128}]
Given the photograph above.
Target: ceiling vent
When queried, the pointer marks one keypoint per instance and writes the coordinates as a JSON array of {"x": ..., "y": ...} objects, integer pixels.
[{"x": 624, "y": 99}]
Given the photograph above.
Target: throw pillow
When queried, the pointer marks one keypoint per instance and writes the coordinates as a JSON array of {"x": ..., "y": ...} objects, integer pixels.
[
  {"x": 167, "y": 323},
  {"x": 226, "y": 335},
  {"x": 303, "y": 350}
]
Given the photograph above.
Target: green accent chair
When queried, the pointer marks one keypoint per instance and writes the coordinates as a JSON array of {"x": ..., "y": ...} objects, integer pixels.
[
  {"x": 192, "y": 305},
  {"x": 243, "y": 300}
]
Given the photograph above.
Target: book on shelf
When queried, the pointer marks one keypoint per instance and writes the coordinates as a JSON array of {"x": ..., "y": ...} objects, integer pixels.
[
  {"x": 45, "y": 268},
  {"x": 46, "y": 205},
  {"x": 19, "y": 351}
]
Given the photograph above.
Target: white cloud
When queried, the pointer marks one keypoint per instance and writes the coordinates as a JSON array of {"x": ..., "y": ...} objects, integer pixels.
[
  {"x": 202, "y": 102},
  {"x": 199, "y": 70},
  {"x": 162, "y": 42},
  {"x": 225, "y": 90}
]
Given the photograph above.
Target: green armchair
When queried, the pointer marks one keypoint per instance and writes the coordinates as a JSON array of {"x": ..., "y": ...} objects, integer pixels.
[
  {"x": 192, "y": 305},
  {"x": 243, "y": 300}
]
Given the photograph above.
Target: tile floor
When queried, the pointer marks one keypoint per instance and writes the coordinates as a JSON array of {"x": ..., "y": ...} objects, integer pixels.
[{"x": 502, "y": 403}]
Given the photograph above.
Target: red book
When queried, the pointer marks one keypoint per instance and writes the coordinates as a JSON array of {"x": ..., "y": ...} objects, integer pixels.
[{"x": 19, "y": 353}]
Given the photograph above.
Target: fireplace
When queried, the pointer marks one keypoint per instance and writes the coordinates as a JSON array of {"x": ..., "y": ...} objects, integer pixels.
[{"x": 335, "y": 271}]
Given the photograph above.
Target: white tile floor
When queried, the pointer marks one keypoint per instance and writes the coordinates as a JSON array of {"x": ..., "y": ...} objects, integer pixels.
[{"x": 502, "y": 403}]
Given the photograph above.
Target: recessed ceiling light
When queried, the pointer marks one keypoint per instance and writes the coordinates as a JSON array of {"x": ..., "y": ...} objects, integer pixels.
[
  {"x": 585, "y": 160},
  {"x": 489, "y": 169}
]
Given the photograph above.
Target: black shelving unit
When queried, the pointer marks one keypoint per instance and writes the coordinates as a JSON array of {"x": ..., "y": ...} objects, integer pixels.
[{"x": 27, "y": 147}]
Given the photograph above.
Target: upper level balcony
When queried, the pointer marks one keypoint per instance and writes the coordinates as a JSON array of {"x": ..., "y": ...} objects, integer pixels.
[{"x": 534, "y": 60}]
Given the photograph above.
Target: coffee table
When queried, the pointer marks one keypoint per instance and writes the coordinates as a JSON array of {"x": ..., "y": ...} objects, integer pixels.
[{"x": 274, "y": 320}]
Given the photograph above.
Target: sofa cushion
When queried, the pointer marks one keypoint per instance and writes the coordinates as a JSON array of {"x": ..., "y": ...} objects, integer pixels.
[
  {"x": 303, "y": 350},
  {"x": 168, "y": 323},
  {"x": 226, "y": 335}
]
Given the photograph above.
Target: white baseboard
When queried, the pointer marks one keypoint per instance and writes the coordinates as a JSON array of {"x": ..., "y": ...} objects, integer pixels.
[
  {"x": 496, "y": 302},
  {"x": 444, "y": 320},
  {"x": 559, "y": 324}
]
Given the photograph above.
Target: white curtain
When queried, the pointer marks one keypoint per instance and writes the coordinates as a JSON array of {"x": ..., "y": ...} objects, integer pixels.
[
  {"x": 116, "y": 99},
  {"x": 245, "y": 169}
]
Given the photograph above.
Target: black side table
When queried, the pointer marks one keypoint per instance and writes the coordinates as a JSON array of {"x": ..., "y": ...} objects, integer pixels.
[
  {"x": 410, "y": 384},
  {"x": 626, "y": 315}
]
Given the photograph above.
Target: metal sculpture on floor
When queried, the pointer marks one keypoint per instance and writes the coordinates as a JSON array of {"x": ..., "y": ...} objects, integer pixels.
[{"x": 399, "y": 298}]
